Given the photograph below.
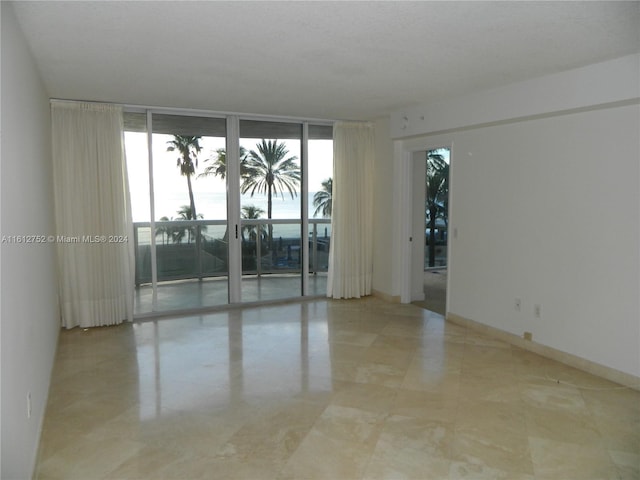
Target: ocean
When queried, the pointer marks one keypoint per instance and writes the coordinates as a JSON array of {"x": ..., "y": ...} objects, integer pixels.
[{"x": 213, "y": 206}]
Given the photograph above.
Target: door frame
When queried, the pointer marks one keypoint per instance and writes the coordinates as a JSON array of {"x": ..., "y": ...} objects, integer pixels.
[{"x": 405, "y": 158}]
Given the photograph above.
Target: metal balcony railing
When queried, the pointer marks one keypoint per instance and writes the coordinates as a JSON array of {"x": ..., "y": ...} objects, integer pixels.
[
  {"x": 187, "y": 249},
  {"x": 439, "y": 247}
]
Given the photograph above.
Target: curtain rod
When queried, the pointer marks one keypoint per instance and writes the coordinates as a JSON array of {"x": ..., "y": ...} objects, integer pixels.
[{"x": 210, "y": 113}]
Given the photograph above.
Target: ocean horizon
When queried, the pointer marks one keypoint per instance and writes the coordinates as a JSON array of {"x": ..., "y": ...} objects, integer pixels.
[{"x": 213, "y": 206}]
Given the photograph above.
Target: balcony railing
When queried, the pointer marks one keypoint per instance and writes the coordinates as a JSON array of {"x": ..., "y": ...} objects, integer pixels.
[
  {"x": 440, "y": 247},
  {"x": 187, "y": 249}
]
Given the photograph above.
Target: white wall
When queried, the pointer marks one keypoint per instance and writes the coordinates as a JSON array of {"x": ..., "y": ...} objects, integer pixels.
[
  {"x": 30, "y": 323},
  {"x": 547, "y": 209},
  {"x": 603, "y": 83}
]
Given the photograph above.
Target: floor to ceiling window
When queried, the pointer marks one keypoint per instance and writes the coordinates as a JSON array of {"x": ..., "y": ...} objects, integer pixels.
[
  {"x": 320, "y": 183},
  {"x": 271, "y": 187},
  {"x": 220, "y": 215}
]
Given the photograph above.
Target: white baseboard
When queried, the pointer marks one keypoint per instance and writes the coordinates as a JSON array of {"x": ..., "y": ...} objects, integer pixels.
[{"x": 580, "y": 363}]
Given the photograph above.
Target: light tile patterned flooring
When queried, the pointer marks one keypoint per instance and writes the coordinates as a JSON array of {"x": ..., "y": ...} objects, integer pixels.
[{"x": 326, "y": 389}]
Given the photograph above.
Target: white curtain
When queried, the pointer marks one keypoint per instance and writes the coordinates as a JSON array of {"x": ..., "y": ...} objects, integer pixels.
[
  {"x": 351, "y": 253},
  {"x": 93, "y": 215}
]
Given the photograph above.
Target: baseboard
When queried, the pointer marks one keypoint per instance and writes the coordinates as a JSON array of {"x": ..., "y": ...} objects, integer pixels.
[
  {"x": 580, "y": 363},
  {"x": 385, "y": 296}
]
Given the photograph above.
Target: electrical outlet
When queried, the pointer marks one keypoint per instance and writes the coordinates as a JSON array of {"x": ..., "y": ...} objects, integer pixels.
[
  {"x": 28, "y": 404},
  {"x": 518, "y": 304},
  {"x": 537, "y": 310}
]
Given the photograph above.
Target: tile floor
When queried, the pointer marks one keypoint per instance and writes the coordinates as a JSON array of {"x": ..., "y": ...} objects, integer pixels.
[{"x": 326, "y": 389}]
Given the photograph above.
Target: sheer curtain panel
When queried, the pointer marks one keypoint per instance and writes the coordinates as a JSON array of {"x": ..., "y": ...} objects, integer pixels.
[
  {"x": 93, "y": 219},
  {"x": 351, "y": 253}
]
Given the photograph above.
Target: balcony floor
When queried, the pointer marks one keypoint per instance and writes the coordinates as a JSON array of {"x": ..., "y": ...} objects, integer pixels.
[{"x": 213, "y": 292}]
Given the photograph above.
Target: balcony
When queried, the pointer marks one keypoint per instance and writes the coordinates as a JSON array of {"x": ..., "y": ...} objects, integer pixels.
[{"x": 191, "y": 262}]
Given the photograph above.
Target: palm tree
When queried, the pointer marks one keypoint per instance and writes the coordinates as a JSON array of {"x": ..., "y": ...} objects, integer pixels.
[
  {"x": 251, "y": 212},
  {"x": 322, "y": 200},
  {"x": 186, "y": 213},
  {"x": 164, "y": 230},
  {"x": 271, "y": 172},
  {"x": 437, "y": 196},
  {"x": 188, "y": 146},
  {"x": 218, "y": 167}
]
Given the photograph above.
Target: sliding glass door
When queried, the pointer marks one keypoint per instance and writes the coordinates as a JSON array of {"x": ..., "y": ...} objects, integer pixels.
[
  {"x": 180, "y": 216},
  {"x": 320, "y": 203},
  {"x": 190, "y": 210},
  {"x": 270, "y": 204},
  {"x": 222, "y": 209}
]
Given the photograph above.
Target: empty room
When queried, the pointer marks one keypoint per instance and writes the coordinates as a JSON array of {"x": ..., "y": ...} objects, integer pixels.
[{"x": 221, "y": 223}]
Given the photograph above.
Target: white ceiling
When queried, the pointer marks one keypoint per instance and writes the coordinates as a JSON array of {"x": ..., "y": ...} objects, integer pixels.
[{"x": 338, "y": 60}]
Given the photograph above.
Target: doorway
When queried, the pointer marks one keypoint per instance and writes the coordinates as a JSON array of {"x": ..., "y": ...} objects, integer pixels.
[{"x": 431, "y": 222}]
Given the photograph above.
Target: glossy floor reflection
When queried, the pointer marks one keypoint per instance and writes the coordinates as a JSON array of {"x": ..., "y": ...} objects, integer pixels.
[
  {"x": 214, "y": 292},
  {"x": 326, "y": 389}
]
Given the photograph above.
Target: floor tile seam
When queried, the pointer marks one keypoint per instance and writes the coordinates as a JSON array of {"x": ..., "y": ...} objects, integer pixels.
[
  {"x": 577, "y": 446},
  {"x": 377, "y": 441},
  {"x": 597, "y": 442},
  {"x": 84, "y": 432},
  {"x": 615, "y": 465},
  {"x": 505, "y": 448},
  {"x": 97, "y": 391},
  {"x": 89, "y": 412},
  {"x": 487, "y": 372},
  {"x": 390, "y": 361},
  {"x": 462, "y": 426},
  {"x": 381, "y": 362},
  {"x": 634, "y": 454},
  {"x": 42, "y": 459},
  {"x": 418, "y": 358},
  {"x": 606, "y": 424},
  {"x": 456, "y": 408},
  {"x": 339, "y": 441},
  {"x": 395, "y": 406},
  {"x": 585, "y": 417},
  {"x": 75, "y": 467},
  {"x": 611, "y": 410},
  {"x": 255, "y": 453},
  {"x": 450, "y": 425},
  {"x": 598, "y": 417},
  {"x": 568, "y": 413}
]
